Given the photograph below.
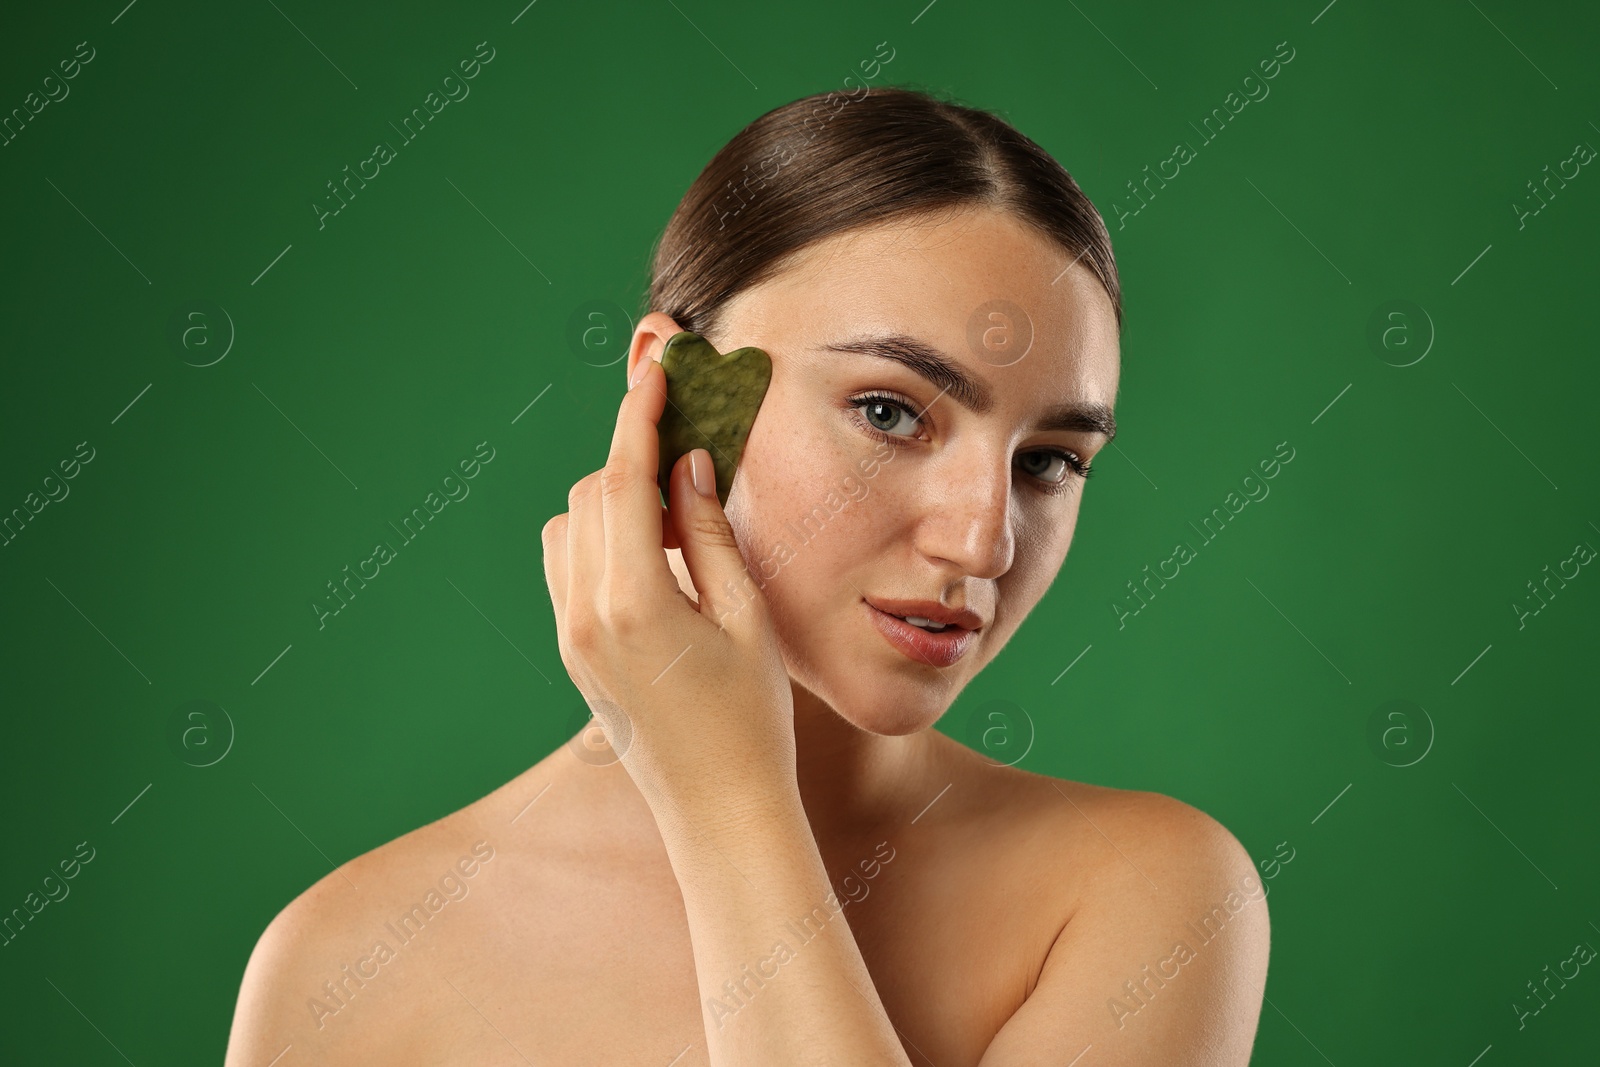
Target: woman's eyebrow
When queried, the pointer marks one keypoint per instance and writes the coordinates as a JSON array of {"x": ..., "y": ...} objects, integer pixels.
[{"x": 940, "y": 370}]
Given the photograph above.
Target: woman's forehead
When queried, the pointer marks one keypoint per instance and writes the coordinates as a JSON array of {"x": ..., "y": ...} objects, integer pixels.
[
  {"x": 985, "y": 291},
  {"x": 943, "y": 268}
]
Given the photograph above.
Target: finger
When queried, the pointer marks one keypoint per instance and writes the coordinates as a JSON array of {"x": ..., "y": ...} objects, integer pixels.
[
  {"x": 630, "y": 498},
  {"x": 554, "y": 536},
  {"x": 710, "y": 550},
  {"x": 669, "y": 533},
  {"x": 585, "y": 541},
  {"x": 554, "y": 539}
]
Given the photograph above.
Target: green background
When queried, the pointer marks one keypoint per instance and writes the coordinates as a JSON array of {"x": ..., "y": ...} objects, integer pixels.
[{"x": 370, "y": 356}]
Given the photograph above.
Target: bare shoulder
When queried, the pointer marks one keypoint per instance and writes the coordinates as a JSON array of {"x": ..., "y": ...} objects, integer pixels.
[
  {"x": 1097, "y": 828},
  {"x": 1163, "y": 941},
  {"x": 1180, "y": 839},
  {"x": 323, "y": 976},
  {"x": 1143, "y": 852}
]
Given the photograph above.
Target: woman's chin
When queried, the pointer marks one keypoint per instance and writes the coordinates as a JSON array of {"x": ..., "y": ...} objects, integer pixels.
[
  {"x": 888, "y": 717},
  {"x": 899, "y": 726},
  {"x": 880, "y": 707}
]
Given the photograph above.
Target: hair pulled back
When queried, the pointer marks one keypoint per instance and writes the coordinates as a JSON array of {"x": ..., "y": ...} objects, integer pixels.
[{"x": 831, "y": 162}]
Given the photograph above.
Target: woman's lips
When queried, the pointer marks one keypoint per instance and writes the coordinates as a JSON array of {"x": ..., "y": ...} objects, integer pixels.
[{"x": 935, "y": 650}]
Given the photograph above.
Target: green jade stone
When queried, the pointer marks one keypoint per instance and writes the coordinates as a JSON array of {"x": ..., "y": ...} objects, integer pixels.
[{"x": 712, "y": 399}]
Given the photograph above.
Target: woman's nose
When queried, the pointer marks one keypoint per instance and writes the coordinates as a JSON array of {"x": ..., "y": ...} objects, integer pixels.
[{"x": 969, "y": 521}]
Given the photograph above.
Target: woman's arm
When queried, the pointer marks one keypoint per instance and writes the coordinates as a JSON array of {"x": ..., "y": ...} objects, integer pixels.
[
  {"x": 696, "y": 699},
  {"x": 781, "y": 978}
]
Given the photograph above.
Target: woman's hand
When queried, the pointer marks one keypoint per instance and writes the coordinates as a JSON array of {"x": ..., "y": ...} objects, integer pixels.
[{"x": 694, "y": 698}]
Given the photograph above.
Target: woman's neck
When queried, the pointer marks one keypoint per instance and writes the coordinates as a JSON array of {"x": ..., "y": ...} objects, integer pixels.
[{"x": 854, "y": 783}]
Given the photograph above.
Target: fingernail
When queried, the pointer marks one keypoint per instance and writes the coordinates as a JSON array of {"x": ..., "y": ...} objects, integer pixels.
[
  {"x": 705, "y": 478},
  {"x": 639, "y": 371}
]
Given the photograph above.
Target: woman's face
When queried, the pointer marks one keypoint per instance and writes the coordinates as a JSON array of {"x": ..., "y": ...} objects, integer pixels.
[{"x": 960, "y": 497}]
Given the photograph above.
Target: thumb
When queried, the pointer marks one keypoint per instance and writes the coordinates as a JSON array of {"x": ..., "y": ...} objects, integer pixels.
[{"x": 710, "y": 551}]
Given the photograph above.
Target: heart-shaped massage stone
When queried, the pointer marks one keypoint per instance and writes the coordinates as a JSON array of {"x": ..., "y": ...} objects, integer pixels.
[{"x": 712, "y": 399}]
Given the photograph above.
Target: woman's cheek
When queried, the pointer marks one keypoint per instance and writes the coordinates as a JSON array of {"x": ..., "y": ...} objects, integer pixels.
[{"x": 795, "y": 528}]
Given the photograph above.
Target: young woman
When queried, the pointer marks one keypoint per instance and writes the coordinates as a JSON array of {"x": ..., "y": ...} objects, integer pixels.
[{"x": 776, "y": 859}]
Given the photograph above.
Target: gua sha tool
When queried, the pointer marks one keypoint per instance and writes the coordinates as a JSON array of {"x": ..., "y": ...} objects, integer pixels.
[{"x": 712, "y": 398}]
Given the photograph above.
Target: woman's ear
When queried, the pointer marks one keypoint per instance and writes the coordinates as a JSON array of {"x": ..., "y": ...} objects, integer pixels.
[{"x": 650, "y": 339}]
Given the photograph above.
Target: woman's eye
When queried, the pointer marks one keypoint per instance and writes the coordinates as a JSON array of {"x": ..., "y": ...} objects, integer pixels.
[
  {"x": 1058, "y": 481},
  {"x": 1043, "y": 460},
  {"x": 883, "y": 414}
]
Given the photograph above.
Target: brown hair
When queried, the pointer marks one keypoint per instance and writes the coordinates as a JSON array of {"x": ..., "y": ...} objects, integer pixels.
[{"x": 831, "y": 162}]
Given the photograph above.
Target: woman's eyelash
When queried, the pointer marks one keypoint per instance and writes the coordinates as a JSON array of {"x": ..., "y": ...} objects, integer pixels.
[
  {"x": 904, "y": 405},
  {"x": 1080, "y": 466}
]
